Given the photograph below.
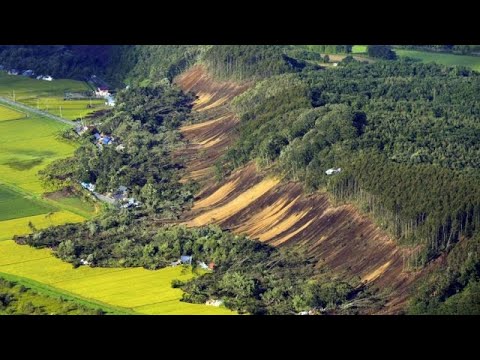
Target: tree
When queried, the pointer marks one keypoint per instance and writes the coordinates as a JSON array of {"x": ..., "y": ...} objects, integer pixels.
[{"x": 381, "y": 52}]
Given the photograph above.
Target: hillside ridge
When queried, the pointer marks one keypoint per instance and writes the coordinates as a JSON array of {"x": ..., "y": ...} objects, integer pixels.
[{"x": 280, "y": 213}]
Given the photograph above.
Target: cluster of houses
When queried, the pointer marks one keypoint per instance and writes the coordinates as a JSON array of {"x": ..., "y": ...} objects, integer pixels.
[
  {"x": 101, "y": 139},
  {"x": 187, "y": 260},
  {"x": 27, "y": 73},
  {"x": 118, "y": 198}
]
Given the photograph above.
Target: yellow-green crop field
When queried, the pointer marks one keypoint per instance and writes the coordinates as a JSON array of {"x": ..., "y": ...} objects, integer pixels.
[
  {"x": 28, "y": 145},
  {"x": 7, "y": 114},
  {"x": 49, "y": 95},
  {"x": 9, "y": 228},
  {"x": 142, "y": 291}
]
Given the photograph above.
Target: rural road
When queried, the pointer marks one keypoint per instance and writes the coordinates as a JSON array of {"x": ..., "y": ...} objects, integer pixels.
[{"x": 35, "y": 111}]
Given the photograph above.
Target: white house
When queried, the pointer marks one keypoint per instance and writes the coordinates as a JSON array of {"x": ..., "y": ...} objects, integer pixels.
[
  {"x": 47, "y": 78},
  {"x": 333, "y": 171},
  {"x": 102, "y": 92},
  {"x": 335, "y": 64},
  {"x": 203, "y": 265},
  {"x": 13, "y": 72},
  {"x": 213, "y": 302},
  {"x": 90, "y": 187}
]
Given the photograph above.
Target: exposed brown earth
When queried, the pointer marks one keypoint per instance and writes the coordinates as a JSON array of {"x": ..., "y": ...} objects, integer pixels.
[
  {"x": 207, "y": 140},
  {"x": 280, "y": 213}
]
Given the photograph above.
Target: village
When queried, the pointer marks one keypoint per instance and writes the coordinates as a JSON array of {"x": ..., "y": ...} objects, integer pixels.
[{"x": 102, "y": 89}]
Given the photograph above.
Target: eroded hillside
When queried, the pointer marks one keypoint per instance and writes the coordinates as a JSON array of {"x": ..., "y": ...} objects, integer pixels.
[{"x": 276, "y": 212}]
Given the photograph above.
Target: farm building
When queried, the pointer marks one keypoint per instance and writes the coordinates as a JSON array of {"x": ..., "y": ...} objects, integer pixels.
[
  {"x": 333, "y": 171},
  {"x": 28, "y": 73},
  {"x": 335, "y": 64},
  {"x": 130, "y": 202},
  {"x": 106, "y": 140},
  {"x": 13, "y": 72},
  {"x": 213, "y": 302},
  {"x": 102, "y": 92},
  {"x": 88, "y": 186},
  {"x": 82, "y": 129},
  {"x": 186, "y": 259},
  {"x": 47, "y": 78},
  {"x": 203, "y": 265},
  {"x": 176, "y": 263},
  {"x": 103, "y": 139}
]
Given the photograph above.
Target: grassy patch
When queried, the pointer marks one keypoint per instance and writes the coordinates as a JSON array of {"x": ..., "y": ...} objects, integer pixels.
[
  {"x": 14, "y": 205},
  {"x": 28, "y": 145},
  {"x": 359, "y": 49},
  {"x": 72, "y": 203},
  {"x": 7, "y": 114},
  {"x": 472, "y": 62}
]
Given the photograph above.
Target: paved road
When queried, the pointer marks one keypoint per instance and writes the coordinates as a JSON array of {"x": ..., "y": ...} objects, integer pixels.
[{"x": 35, "y": 111}]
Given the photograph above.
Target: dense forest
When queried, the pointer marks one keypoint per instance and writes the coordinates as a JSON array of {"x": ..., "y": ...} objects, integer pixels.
[
  {"x": 405, "y": 135},
  {"x": 60, "y": 61},
  {"x": 143, "y": 65},
  {"x": 16, "y": 299}
]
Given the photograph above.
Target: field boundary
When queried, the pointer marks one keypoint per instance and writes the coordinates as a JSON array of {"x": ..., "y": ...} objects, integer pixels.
[
  {"x": 54, "y": 292},
  {"x": 17, "y": 105}
]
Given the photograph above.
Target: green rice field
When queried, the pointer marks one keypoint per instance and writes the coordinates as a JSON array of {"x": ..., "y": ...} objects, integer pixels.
[
  {"x": 472, "y": 62},
  {"x": 14, "y": 205}
]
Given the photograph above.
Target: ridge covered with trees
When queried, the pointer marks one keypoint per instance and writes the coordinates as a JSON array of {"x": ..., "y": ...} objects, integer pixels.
[{"x": 405, "y": 135}]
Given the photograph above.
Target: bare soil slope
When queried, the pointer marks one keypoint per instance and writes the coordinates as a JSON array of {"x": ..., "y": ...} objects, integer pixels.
[{"x": 280, "y": 213}]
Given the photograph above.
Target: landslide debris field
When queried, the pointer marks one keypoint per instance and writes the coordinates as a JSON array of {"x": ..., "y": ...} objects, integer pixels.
[{"x": 276, "y": 212}]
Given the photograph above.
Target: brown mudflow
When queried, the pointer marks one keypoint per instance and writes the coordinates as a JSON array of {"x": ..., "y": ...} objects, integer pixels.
[{"x": 280, "y": 213}]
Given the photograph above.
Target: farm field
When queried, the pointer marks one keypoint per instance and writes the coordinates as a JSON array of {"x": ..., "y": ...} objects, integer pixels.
[
  {"x": 19, "y": 226},
  {"x": 31, "y": 302},
  {"x": 28, "y": 145},
  {"x": 472, "y": 62},
  {"x": 15, "y": 205},
  {"x": 136, "y": 289},
  {"x": 7, "y": 114},
  {"x": 359, "y": 49},
  {"x": 75, "y": 203},
  {"x": 48, "y": 95}
]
